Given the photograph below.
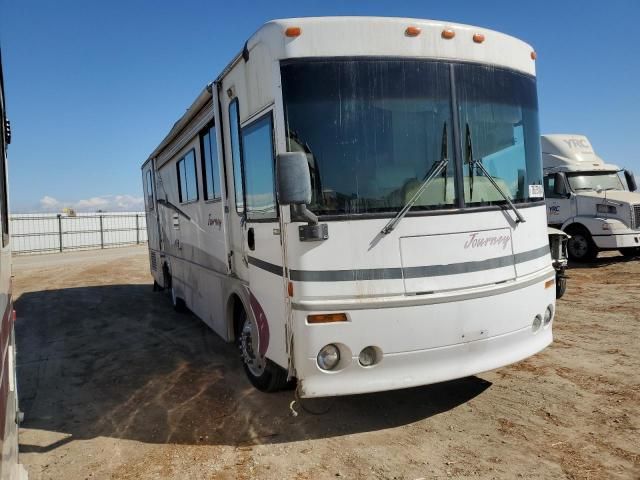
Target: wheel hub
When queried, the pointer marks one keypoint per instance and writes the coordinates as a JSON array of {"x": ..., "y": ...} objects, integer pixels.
[
  {"x": 248, "y": 344},
  {"x": 578, "y": 245}
]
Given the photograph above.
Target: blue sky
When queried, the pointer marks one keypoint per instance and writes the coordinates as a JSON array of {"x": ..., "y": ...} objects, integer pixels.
[{"x": 92, "y": 87}]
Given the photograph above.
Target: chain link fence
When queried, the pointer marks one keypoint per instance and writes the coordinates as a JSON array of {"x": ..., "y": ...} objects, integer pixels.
[{"x": 48, "y": 233}]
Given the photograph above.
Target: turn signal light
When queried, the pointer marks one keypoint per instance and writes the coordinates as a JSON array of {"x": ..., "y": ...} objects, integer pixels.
[
  {"x": 549, "y": 283},
  {"x": 448, "y": 33},
  {"x": 293, "y": 31},
  {"x": 478, "y": 38},
  {"x": 327, "y": 318},
  {"x": 534, "y": 55},
  {"x": 412, "y": 31}
]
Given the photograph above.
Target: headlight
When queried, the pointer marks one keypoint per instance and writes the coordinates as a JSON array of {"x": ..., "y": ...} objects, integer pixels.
[
  {"x": 602, "y": 208},
  {"x": 328, "y": 357},
  {"x": 548, "y": 315},
  {"x": 537, "y": 323},
  {"x": 368, "y": 356}
]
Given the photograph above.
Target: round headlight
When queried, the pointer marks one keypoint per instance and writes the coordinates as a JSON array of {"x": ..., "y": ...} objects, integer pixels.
[
  {"x": 367, "y": 356},
  {"x": 537, "y": 323},
  {"x": 328, "y": 357},
  {"x": 548, "y": 315}
]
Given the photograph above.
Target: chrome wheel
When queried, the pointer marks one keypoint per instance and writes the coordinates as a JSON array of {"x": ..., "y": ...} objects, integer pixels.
[{"x": 249, "y": 346}]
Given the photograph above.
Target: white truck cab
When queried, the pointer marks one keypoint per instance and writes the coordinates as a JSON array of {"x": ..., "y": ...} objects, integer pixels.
[{"x": 593, "y": 201}]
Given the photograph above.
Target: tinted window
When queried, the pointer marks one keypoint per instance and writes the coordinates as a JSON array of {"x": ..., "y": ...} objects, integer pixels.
[
  {"x": 499, "y": 128},
  {"x": 257, "y": 156},
  {"x": 187, "y": 180},
  {"x": 234, "y": 125},
  {"x": 372, "y": 130},
  {"x": 210, "y": 167}
]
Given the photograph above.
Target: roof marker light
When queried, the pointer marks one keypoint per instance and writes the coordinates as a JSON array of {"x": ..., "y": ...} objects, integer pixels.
[
  {"x": 478, "y": 37},
  {"x": 448, "y": 33},
  {"x": 412, "y": 31},
  {"x": 293, "y": 31},
  {"x": 534, "y": 55}
]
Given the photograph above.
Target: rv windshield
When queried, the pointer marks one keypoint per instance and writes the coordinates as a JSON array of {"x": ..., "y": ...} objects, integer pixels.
[
  {"x": 373, "y": 128},
  {"x": 582, "y": 181}
]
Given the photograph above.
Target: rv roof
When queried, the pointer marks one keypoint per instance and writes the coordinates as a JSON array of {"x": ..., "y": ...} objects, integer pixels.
[{"x": 379, "y": 37}]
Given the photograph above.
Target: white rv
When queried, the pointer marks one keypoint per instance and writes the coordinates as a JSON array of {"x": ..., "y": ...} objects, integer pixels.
[
  {"x": 593, "y": 201},
  {"x": 358, "y": 203}
]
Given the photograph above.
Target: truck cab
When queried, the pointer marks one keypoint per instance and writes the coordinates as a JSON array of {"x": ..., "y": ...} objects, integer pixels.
[{"x": 595, "y": 202}]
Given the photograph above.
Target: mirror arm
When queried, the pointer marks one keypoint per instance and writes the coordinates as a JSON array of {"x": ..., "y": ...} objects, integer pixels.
[{"x": 303, "y": 211}]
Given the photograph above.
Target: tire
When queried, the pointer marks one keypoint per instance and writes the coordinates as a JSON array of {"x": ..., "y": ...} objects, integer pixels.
[
  {"x": 630, "y": 252},
  {"x": 581, "y": 247},
  {"x": 263, "y": 374},
  {"x": 561, "y": 285}
]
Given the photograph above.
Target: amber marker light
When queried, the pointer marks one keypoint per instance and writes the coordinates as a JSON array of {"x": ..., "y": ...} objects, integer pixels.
[
  {"x": 412, "y": 31},
  {"x": 549, "y": 283},
  {"x": 478, "y": 38},
  {"x": 293, "y": 32},
  {"x": 290, "y": 289},
  {"x": 448, "y": 33},
  {"x": 534, "y": 55},
  {"x": 327, "y": 318}
]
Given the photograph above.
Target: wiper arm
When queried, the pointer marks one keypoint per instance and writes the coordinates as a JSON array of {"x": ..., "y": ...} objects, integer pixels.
[
  {"x": 476, "y": 163},
  {"x": 435, "y": 170}
]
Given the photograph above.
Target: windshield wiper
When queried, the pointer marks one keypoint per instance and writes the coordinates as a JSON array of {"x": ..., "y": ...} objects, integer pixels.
[
  {"x": 435, "y": 170},
  {"x": 476, "y": 163}
]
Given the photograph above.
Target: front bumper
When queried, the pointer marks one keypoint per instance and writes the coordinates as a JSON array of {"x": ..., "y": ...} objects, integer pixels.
[
  {"x": 423, "y": 344},
  {"x": 617, "y": 240}
]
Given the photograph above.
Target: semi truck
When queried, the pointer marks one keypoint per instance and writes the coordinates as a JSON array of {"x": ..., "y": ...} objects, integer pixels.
[{"x": 595, "y": 202}]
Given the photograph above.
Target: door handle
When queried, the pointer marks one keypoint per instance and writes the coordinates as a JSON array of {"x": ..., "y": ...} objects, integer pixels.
[{"x": 251, "y": 239}]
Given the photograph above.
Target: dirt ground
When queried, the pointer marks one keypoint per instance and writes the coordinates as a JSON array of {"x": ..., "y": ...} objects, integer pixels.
[{"x": 114, "y": 384}]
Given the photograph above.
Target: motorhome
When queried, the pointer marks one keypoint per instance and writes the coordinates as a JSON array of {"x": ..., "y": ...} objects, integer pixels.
[
  {"x": 358, "y": 204},
  {"x": 594, "y": 202},
  {"x": 10, "y": 468}
]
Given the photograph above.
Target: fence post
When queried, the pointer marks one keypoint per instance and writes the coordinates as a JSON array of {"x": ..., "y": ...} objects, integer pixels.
[
  {"x": 101, "y": 234},
  {"x": 60, "y": 230},
  {"x": 137, "y": 229}
]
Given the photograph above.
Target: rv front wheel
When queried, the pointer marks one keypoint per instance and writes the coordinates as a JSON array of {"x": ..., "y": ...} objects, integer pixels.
[{"x": 262, "y": 372}]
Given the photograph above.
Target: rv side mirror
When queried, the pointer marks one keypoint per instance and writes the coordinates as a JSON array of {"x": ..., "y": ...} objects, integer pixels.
[
  {"x": 631, "y": 181},
  {"x": 293, "y": 178},
  {"x": 560, "y": 184}
]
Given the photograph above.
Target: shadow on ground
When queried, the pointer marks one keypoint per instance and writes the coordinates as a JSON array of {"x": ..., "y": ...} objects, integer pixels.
[
  {"x": 116, "y": 361},
  {"x": 603, "y": 261}
]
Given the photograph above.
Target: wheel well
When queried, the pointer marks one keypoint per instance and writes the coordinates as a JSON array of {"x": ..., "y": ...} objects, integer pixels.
[
  {"x": 234, "y": 314},
  {"x": 166, "y": 275},
  {"x": 577, "y": 228}
]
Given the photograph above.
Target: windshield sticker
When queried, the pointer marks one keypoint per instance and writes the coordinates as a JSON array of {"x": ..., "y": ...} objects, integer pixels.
[{"x": 536, "y": 191}]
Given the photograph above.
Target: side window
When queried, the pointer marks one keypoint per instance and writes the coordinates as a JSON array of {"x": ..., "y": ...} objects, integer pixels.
[
  {"x": 149, "y": 191},
  {"x": 187, "y": 182},
  {"x": 258, "y": 161},
  {"x": 549, "y": 187},
  {"x": 210, "y": 168},
  {"x": 234, "y": 125}
]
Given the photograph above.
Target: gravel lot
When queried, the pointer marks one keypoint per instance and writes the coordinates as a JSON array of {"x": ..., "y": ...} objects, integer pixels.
[{"x": 114, "y": 384}]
